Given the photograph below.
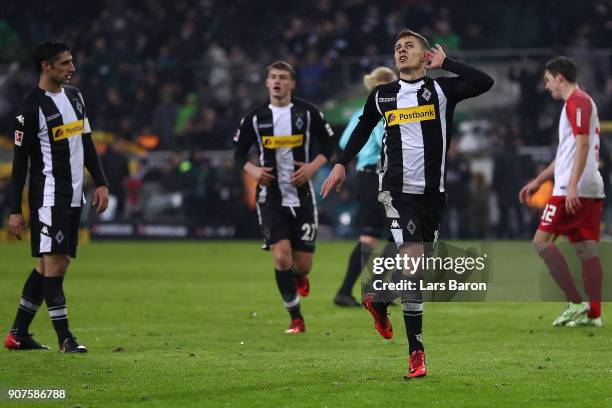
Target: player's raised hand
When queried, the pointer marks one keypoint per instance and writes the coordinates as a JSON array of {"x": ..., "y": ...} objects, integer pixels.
[
  {"x": 435, "y": 57},
  {"x": 100, "y": 199},
  {"x": 336, "y": 180},
  {"x": 527, "y": 191},
  {"x": 304, "y": 173},
  {"x": 16, "y": 225}
]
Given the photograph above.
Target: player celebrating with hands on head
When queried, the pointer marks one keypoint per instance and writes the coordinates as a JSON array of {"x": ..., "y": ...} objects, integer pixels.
[
  {"x": 418, "y": 114},
  {"x": 283, "y": 130},
  {"x": 576, "y": 205},
  {"x": 53, "y": 141}
]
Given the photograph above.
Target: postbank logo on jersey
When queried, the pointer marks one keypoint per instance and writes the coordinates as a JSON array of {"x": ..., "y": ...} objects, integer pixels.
[
  {"x": 408, "y": 115},
  {"x": 276, "y": 142},
  {"x": 68, "y": 130}
]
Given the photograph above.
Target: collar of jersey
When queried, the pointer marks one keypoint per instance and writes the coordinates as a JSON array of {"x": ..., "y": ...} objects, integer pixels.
[
  {"x": 281, "y": 107},
  {"x": 47, "y": 93},
  {"x": 412, "y": 81}
]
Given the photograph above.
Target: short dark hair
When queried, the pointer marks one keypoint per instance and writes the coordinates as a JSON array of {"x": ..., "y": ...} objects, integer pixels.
[
  {"x": 405, "y": 32},
  {"x": 283, "y": 66},
  {"x": 564, "y": 66},
  {"x": 48, "y": 51}
]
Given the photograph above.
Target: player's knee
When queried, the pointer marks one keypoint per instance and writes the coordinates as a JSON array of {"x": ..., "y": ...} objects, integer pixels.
[
  {"x": 56, "y": 266},
  {"x": 585, "y": 250},
  {"x": 282, "y": 260},
  {"x": 539, "y": 243},
  {"x": 40, "y": 267}
]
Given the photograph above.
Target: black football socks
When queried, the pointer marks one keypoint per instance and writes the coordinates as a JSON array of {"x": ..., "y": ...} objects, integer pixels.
[
  {"x": 286, "y": 286},
  {"x": 413, "y": 320},
  {"x": 31, "y": 299},
  {"x": 356, "y": 261},
  {"x": 56, "y": 303}
]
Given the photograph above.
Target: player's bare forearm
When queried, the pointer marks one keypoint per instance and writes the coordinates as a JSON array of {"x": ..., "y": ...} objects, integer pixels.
[
  {"x": 318, "y": 162},
  {"x": 248, "y": 167},
  {"x": 580, "y": 157},
  {"x": 547, "y": 174}
]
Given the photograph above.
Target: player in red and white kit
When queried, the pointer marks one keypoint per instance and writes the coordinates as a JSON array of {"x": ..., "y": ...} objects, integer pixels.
[{"x": 576, "y": 206}]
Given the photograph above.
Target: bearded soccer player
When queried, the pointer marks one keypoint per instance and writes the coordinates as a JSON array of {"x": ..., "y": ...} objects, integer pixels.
[
  {"x": 576, "y": 206},
  {"x": 418, "y": 115},
  {"x": 283, "y": 129},
  {"x": 53, "y": 141}
]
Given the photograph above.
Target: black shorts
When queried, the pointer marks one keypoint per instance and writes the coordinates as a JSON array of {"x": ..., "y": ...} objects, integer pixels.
[
  {"x": 55, "y": 230},
  {"x": 371, "y": 212},
  {"x": 413, "y": 217},
  {"x": 297, "y": 224}
]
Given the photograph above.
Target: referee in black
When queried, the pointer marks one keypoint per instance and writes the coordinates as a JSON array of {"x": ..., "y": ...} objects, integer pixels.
[
  {"x": 418, "y": 115},
  {"x": 53, "y": 141}
]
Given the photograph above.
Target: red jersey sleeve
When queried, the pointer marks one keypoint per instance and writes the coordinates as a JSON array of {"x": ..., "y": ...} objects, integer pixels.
[{"x": 578, "y": 111}]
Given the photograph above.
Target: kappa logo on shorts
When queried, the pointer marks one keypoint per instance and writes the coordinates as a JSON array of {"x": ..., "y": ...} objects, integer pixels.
[
  {"x": 411, "y": 227},
  {"x": 395, "y": 224},
  {"x": 59, "y": 237},
  {"x": 44, "y": 230}
]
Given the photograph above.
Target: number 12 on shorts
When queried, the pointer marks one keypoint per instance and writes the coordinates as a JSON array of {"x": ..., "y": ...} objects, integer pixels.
[
  {"x": 310, "y": 231},
  {"x": 549, "y": 212}
]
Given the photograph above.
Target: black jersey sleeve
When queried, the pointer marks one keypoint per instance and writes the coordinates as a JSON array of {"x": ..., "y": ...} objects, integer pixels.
[
  {"x": 370, "y": 118},
  {"x": 468, "y": 83},
  {"x": 93, "y": 164},
  {"x": 26, "y": 129},
  {"x": 92, "y": 161},
  {"x": 323, "y": 132},
  {"x": 244, "y": 139}
]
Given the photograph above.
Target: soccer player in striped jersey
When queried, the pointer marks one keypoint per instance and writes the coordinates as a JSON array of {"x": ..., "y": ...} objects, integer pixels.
[
  {"x": 418, "y": 115},
  {"x": 284, "y": 129},
  {"x": 576, "y": 205},
  {"x": 53, "y": 141},
  {"x": 371, "y": 216}
]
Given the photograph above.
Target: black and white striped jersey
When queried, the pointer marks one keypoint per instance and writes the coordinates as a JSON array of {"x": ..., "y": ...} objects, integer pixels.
[
  {"x": 53, "y": 140},
  {"x": 284, "y": 135},
  {"x": 418, "y": 119}
]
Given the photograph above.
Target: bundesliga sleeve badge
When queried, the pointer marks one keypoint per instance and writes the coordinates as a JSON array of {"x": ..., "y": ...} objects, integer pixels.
[{"x": 18, "y": 137}]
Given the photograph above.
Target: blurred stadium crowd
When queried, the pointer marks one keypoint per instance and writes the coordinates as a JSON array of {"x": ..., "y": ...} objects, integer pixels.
[{"x": 166, "y": 84}]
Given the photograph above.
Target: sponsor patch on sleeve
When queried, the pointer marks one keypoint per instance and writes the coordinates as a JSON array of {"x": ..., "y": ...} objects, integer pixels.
[{"x": 18, "y": 138}]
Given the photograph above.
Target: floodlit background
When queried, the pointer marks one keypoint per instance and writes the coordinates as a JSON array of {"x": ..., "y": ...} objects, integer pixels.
[
  {"x": 200, "y": 323},
  {"x": 166, "y": 84}
]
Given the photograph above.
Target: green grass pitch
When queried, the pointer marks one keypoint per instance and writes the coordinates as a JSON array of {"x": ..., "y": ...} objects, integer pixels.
[{"x": 201, "y": 324}]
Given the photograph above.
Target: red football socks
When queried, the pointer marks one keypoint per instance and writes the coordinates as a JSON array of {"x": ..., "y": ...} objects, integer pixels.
[
  {"x": 557, "y": 266},
  {"x": 593, "y": 276}
]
